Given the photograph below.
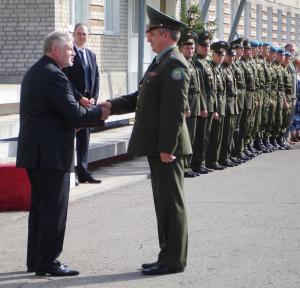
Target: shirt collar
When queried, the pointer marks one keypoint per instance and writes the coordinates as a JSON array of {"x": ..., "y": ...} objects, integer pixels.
[
  {"x": 160, "y": 54},
  {"x": 78, "y": 49}
]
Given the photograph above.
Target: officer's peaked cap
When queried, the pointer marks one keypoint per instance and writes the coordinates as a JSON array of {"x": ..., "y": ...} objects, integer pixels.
[{"x": 158, "y": 19}]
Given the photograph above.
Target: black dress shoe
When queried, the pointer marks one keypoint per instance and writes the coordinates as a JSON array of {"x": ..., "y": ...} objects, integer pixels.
[
  {"x": 58, "y": 271},
  {"x": 206, "y": 168},
  {"x": 89, "y": 179},
  {"x": 216, "y": 166},
  {"x": 196, "y": 173},
  {"x": 56, "y": 263},
  {"x": 161, "y": 270},
  {"x": 148, "y": 265},
  {"x": 189, "y": 174}
]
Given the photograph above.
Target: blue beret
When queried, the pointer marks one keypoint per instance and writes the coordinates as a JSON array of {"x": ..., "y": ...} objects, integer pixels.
[
  {"x": 280, "y": 50},
  {"x": 260, "y": 43},
  {"x": 273, "y": 49},
  {"x": 254, "y": 43},
  {"x": 266, "y": 44}
]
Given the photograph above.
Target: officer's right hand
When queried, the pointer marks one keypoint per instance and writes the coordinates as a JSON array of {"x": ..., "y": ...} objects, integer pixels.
[{"x": 166, "y": 158}]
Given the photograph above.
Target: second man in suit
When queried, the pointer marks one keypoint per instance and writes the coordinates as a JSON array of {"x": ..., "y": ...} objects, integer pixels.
[{"x": 84, "y": 77}]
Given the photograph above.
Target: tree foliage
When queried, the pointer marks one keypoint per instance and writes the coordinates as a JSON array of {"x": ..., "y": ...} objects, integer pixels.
[{"x": 192, "y": 18}]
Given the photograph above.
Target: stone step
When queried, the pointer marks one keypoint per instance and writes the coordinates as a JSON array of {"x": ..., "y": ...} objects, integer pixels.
[
  {"x": 9, "y": 124},
  {"x": 9, "y": 98},
  {"x": 104, "y": 144}
]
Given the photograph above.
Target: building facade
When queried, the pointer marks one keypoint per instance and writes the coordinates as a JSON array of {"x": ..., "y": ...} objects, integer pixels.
[{"x": 113, "y": 26}]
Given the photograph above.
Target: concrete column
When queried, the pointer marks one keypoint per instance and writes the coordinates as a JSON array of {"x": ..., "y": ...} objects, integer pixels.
[
  {"x": 297, "y": 23},
  {"x": 247, "y": 20},
  {"x": 258, "y": 21},
  {"x": 279, "y": 26},
  {"x": 288, "y": 27},
  {"x": 220, "y": 19},
  {"x": 270, "y": 24}
]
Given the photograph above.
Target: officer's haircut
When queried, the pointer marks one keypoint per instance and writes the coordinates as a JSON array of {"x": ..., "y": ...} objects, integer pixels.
[
  {"x": 56, "y": 38},
  {"x": 174, "y": 35}
]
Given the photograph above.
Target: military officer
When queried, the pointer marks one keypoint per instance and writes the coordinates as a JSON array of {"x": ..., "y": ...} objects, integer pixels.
[
  {"x": 204, "y": 122},
  {"x": 238, "y": 138},
  {"x": 196, "y": 94},
  {"x": 213, "y": 152},
  {"x": 288, "y": 101},
  {"x": 255, "y": 119},
  {"x": 160, "y": 133},
  {"x": 273, "y": 98},
  {"x": 277, "y": 133},
  {"x": 257, "y": 135},
  {"x": 250, "y": 88},
  {"x": 266, "y": 94},
  {"x": 226, "y": 158}
]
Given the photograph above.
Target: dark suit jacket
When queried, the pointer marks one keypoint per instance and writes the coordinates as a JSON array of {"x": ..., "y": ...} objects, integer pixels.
[
  {"x": 49, "y": 114},
  {"x": 160, "y": 105},
  {"x": 76, "y": 75}
]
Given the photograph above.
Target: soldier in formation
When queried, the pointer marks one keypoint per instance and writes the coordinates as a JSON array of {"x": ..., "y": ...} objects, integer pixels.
[{"x": 240, "y": 100}]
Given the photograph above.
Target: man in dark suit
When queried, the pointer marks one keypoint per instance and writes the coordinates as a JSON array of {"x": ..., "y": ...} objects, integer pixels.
[
  {"x": 84, "y": 77},
  {"x": 160, "y": 133},
  {"x": 49, "y": 115}
]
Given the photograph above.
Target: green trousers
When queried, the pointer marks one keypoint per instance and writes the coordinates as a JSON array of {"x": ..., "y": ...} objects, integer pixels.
[
  {"x": 167, "y": 186},
  {"x": 215, "y": 141},
  {"x": 191, "y": 123}
]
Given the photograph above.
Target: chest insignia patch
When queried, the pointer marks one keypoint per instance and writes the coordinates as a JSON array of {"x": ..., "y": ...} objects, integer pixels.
[
  {"x": 151, "y": 74},
  {"x": 177, "y": 74}
]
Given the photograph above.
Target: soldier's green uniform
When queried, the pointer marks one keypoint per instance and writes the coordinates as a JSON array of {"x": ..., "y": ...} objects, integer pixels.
[
  {"x": 238, "y": 137},
  {"x": 277, "y": 132},
  {"x": 257, "y": 133},
  {"x": 288, "y": 81},
  {"x": 215, "y": 140},
  {"x": 204, "y": 124},
  {"x": 249, "y": 99},
  {"x": 256, "y": 109},
  {"x": 231, "y": 111},
  {"x": 196, "y": 98},
  {"x": 160, "y": 126},
  {"x": 272, "y": 101},
  {"x": 266, "y": 92}
]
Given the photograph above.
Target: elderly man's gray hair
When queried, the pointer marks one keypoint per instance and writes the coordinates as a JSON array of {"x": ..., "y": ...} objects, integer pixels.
[{"x": 58, "y": 38}]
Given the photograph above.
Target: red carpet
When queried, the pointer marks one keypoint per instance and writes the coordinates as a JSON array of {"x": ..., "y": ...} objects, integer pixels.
[{"x": 14, "y": 188}]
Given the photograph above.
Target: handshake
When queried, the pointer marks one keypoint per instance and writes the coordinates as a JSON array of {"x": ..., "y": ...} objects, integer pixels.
[
  {"x": 105, "y": 106},
  {"x": 106, "y": 110}
]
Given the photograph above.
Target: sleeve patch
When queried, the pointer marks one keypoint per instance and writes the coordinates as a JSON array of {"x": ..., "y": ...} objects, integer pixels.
[{"x": 177, "y": 74}]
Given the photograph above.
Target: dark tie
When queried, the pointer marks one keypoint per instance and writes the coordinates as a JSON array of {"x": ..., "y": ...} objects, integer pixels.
[{"x": 87, "y": 73}]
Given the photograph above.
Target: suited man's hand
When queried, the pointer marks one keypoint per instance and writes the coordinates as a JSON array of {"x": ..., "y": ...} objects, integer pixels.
[
  {"x": 166, "y": 158},
  {"x": 106, "y": 104},
  {"x": 106, "y": 112},
  {"x": 85, "y": 102}
]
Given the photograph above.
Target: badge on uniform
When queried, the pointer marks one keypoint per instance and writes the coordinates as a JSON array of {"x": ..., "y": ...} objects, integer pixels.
[{"x": 177, "y": 74}]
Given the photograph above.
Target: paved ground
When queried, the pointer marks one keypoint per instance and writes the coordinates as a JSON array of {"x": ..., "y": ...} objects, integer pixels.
[{"x": 244, "y": 230}]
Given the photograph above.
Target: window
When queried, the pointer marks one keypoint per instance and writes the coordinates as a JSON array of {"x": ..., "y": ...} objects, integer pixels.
[
  {"x": 111, "y": 18},
  {"x": 78, "y": 11}
]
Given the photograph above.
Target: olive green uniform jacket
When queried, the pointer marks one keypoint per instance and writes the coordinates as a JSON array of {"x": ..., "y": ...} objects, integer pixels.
[{"x": 160, "y": 106}]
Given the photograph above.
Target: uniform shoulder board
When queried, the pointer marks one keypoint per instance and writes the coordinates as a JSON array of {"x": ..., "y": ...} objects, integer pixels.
[{"x": 173, "y": 56}]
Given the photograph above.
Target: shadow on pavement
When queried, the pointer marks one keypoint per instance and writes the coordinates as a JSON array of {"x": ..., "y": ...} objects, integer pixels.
[{"x": 67, "y": 281}]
